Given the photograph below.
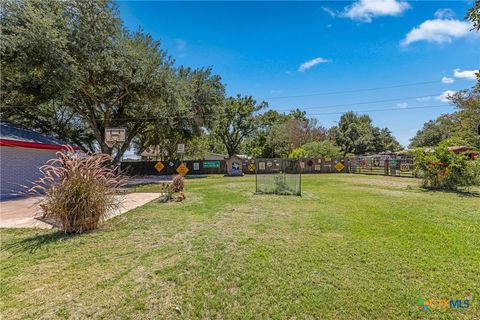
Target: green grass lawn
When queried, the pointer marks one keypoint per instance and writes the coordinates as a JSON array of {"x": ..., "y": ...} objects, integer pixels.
[{"x": 352, "y": 247}]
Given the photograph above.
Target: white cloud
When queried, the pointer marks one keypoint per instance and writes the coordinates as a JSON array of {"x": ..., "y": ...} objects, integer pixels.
[
  {"x": 402, "y": 105},
  {"x": 311, "y": 63},
  {"x": 438, "y": 31},
  {"x": 465, "y": 74},
  {"x": 181, "y": 44},
  {"x": 427, "y": 98},
  {"x": 444, "y": 13},
  {"x": 447, "y": 80},
  {"x": 365, "y": 10},
  {"x": 444, "y": 96},
  {"x": 329, "y": 11}
]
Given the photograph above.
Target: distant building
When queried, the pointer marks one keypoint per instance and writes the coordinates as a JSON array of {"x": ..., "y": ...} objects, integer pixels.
[
  {"x": 22, "y": 153},
  {"x": 215, "y": 156},
  {"x": 469, "y": 152},
  {"x": 152, "y": 153}
]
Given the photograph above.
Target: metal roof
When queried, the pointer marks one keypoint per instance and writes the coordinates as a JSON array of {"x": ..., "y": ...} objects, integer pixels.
[{"x": 13, "y": 133}]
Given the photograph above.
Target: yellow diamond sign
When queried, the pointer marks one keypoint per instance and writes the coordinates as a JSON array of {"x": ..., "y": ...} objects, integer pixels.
[
  {"x": 339, "y": 166},
  {"x": 159, "y": 166},
  {"x": 182, "y": 169},
  {"x": 251, "y": 167}
]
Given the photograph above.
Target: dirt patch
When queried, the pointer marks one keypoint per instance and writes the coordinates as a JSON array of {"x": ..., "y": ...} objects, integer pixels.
[
  {"x": 395, "y": 193},
  {"x": 384, "y": 181}
]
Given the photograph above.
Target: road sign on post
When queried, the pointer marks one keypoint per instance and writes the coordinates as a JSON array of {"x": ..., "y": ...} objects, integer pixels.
[
  {"x": 115, "y": 136},
  {"x": 181, "y": 148},
  {"x": 182, "y": 170},
  {"x": 159, "y": 166}
]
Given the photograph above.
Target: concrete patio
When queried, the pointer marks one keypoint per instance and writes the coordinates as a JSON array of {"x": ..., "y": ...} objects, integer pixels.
[{"x": 21, "y": 213}]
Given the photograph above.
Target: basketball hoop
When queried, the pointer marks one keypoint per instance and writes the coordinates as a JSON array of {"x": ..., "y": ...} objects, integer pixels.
[{"x": 115, "y": 136}]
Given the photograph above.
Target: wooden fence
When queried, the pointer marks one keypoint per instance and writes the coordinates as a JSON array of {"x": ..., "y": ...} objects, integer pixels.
[{"x": 402, "y": 167}]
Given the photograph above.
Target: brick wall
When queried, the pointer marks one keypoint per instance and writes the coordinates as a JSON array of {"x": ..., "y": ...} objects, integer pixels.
[{"x": 20, "y": 166}]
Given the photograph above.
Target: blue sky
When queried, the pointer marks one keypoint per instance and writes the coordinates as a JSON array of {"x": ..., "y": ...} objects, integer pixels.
[{"x": 276, "y": 50}]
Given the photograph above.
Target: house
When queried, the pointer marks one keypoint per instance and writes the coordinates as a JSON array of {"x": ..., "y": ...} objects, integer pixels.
[
  {"x": 215, "y": 156},
  {"x": 22, "y": 153},
  {"x": 152, "y": 153}
]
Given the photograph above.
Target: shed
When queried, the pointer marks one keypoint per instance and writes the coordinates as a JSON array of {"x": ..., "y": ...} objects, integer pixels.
[{"x": 234, "y": 166}]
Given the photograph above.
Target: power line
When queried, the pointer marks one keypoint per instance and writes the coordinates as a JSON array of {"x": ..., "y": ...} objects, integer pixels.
[
  {"x": 313, "y": 114},
  {"x": 318, "y": 107},
  {"x": 365, "y": 102},
  {"x": 351, "y": 91},
  {"x": 315, "y": 94},
  {"x": 389, "y": 109}
]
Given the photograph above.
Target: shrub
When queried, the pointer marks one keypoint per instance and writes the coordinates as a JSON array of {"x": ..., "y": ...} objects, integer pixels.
[
  {"x": 281, "y": 186},
  {"x": 316, "y": 149},
  {"x": 297, "y": 153},
  {"x": 441, "y": 168},
  {"x": 78, "y": 191},
  {"x": 177, "y": 183},
  {"x": 166, "y": 191},
  {"x": 169, "y": 189}
]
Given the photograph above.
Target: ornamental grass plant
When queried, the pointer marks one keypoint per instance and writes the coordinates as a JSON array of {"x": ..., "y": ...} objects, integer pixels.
[{"x": 78, "y": 192}]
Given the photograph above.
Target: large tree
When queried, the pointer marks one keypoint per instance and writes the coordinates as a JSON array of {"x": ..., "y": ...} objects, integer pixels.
[
  {"x": 202, "y": 97},
  {"x": 434, "y": 131},
  {"x": 238, "y": 120},
  {"x": 467, "y": 103},
  {"x": 77, "y": 55},
  {"x": 356, "y": 134},
  {"x": 464, "y": 123},
  {"x": 260, "y": 144},
  {"x": 296, "y": 131}
]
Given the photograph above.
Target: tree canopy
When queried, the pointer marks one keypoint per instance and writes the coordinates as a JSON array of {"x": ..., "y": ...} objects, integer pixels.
[
  {"x": 296, "y": 131},
  {"x": 316, "y": 149},
  {"x": 356, "y": 134},
  {"x": 75, "y": 59},
  {"x": 237, "y": 121},
  {"x": 462, "y": 124},
  {"x": 474, "y": 15},
  {"x": 433, "y": 132}
]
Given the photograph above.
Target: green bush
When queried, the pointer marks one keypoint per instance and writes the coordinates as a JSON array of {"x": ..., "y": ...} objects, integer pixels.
[
  {"x": 297, "y": 153},
  {"x": 316, "y": 149},
  {"x": 441, "y": 168},
  {"x": 281, "y": 185}
]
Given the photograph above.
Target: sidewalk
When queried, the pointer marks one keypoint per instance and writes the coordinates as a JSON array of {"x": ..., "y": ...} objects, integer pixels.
[{"x": 20, "y": 213}]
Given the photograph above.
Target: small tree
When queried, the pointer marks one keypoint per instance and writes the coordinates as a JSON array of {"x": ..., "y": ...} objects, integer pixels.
[
  {"x": 441, "y": 168},
  {"x": 297, "y": 153}
]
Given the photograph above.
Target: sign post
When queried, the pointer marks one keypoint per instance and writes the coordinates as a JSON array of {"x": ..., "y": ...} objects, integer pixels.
[{"x": 181, "y": 148}]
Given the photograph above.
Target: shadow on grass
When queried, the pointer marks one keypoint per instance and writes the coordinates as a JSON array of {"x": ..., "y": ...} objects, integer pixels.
[
  {"x": 460, "y": 193},
  {"x": 32, "y": 244}
]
